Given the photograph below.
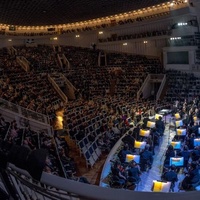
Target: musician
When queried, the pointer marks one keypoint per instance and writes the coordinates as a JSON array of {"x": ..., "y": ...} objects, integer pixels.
[
  {"x": 160, "y": 126},
  {"x": 134, "y": 171},
  {"x": 192, "y": 177}
]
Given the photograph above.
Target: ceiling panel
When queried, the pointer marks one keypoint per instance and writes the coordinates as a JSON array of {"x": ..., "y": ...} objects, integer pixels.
[{"x": 51, "y": 12}]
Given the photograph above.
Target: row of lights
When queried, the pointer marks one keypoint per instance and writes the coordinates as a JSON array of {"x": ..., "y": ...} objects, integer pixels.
[
  {"x": 182, "y": 24},
  {"x": 93, "y": 21},
  {"x": 175, "y": 38},
  {"x": 125, "y": 43},
  {"x": 77, "y": 36}
]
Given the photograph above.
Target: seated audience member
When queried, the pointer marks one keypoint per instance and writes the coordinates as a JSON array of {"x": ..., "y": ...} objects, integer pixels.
[
  {"x": 146, "y": 158},
  {"x": 27, "y": 143},
  {"x": 171, "y": 176},
  {"x": 116, "y": 130},
  {"x": 103, "y": 145},
  {"x": 192, "y": 178}
]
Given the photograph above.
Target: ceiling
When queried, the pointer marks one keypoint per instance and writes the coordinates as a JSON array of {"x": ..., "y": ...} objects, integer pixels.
[{"x": 52, "y": 12}]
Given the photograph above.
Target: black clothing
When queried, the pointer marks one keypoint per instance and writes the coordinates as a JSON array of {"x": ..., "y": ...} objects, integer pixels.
[
  {"x": 170, "y": 176},
  {"x": 134, "y": 173},
  {"x": 160, "y": 127},
  {"x": 146, "y": 159}
]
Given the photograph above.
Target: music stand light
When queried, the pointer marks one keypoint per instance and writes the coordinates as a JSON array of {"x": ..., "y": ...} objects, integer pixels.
[
  {"x": 151, "y": 124},
  {"x": 144, "y": 133},
  {"x": 177, "y": 116}
]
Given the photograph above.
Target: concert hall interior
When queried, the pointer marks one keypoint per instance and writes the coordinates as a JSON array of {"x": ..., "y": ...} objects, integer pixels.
[{"x": 99, "y": 99}]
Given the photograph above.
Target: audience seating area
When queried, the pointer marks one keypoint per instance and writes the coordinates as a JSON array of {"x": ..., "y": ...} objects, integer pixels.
[
  {"x": 94, "y": 123},
  {"x": 156, "y": 33},
  {"x": 182, "y": 86}
]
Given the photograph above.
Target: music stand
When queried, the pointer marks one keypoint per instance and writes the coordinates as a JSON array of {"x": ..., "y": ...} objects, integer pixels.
[
  {"x": 130, "y": 157},
  {"x": 176, "y": 145},
  {"x": 157, "y": 116},
  {"x": 177, "y": 116},
  {"x": 195, "y": 118},
  {"x": 144, "y": 133},
  {"x": 179, "y": 123},
  {"x": 161, "y": 186},
  {"x": 151, "y": 124},
  {"x": 181, "y": 132},
  {"x": 177, "y": 161},
  {"x": 139, "y": 145},
  {"x": 197, "y": 142}
]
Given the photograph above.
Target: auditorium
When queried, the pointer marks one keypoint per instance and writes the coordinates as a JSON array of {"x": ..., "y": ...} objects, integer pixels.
[{"x": 99, "y": 100}]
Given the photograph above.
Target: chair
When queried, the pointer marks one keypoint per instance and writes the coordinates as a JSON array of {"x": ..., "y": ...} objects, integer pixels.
[
  {"x": 89, "y": 159},
  {"x": 132, "y": 182},
  {"x": 96, "y": 149},
  {"x": 92, "y": 153},
  {"x": 82, "y": 147},
  {"x": 116, "y": 182}
]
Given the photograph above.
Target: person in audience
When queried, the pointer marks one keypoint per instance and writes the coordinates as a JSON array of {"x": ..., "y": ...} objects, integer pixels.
[
  {"x": 102, "y": 144},
  {"x": 116, "y": 130}
]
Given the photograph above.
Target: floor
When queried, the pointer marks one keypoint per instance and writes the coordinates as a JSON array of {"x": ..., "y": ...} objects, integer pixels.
[{"x": 93, "y": 174}]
